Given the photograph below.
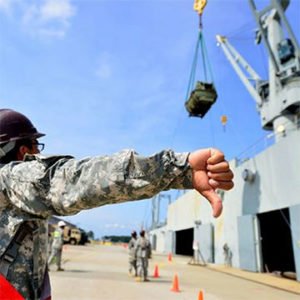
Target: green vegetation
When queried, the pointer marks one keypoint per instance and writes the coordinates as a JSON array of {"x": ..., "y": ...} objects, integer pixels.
[{"x": 116, "y": 239}]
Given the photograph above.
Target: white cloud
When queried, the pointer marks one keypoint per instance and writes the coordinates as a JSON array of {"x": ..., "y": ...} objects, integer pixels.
[
  {"x": 52, "y": 33},
  {"x": 61, "y": 10},
  {"x": 29, "y": 13},
  {"x": 114, "y": 225},
  {"x": 104, "y": 66},
  {"x": 5, "y": 5},
  {"x": 47, "y": 18}
]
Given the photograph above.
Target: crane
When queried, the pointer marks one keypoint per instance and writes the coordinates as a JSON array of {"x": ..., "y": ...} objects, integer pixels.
[{"x": 278, "y": 97}]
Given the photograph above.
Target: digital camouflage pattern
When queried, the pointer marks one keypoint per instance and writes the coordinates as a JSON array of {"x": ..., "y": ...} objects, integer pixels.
[
  {"x": 143, "y": 248},
  {"x": 132, "y": 257},
  {"x": 39, "y": 187},
  {"x": 143, "y": 253},
  {"x": 131, "y": 249}
]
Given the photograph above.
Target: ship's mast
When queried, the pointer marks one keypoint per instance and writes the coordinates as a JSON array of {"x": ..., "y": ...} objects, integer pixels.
[{"x": 278, "y": 97}]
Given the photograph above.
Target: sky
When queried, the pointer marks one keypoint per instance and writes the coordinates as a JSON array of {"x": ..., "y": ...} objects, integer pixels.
[{"x": 99, "y": 76}]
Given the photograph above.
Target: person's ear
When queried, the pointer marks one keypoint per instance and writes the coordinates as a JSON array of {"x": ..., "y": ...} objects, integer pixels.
[{"x": 22, "y": 151}]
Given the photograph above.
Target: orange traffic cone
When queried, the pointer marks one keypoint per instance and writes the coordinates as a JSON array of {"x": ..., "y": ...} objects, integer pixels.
[
  {"x": 200, "y": 296},
  {"x": 156, "y": 273},
  {"x": 170, "y": 257},
  {"x": 175, "y": 286}
]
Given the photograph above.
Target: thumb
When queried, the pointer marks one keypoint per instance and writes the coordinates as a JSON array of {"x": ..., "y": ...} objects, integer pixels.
[{"x": 215, "y": 202}]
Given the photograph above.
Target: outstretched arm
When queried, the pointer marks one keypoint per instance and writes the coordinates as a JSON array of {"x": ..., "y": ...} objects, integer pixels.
[{"x": 64, "y": 186}]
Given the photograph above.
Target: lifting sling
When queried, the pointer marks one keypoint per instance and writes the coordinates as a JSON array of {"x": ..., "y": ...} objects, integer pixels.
[{"x": 203, "y": 95}]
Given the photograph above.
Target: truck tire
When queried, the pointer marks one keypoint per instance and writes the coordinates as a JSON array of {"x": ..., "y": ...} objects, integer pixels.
[{"x": 73, "y": 242}]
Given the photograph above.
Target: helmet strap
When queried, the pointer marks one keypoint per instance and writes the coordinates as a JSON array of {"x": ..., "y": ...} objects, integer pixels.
[{"x": 8, "y": 147}]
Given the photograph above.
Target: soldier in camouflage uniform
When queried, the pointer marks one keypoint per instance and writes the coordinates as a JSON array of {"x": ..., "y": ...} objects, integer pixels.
[
  {"x": 132, "y": 255},
  {"x": 34, "y": 187},
  {"x": 143, "y": 253},
  {"x": 57, "y": 246}
]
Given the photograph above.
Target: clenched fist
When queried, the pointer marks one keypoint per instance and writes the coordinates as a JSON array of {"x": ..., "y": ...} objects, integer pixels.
[{"x": 210, "y": 172}]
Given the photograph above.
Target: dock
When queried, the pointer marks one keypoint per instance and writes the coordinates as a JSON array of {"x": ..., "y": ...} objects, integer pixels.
[{"x": 101, "y": 272}]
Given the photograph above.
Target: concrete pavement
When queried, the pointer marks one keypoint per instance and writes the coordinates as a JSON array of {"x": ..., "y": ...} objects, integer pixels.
[{"x": 100, "y": 272}]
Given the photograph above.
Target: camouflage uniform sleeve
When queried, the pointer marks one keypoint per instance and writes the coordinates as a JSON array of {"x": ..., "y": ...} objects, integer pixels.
[
  {"x": 124, "y": 176},
  {"x": 65, "y": 186}
]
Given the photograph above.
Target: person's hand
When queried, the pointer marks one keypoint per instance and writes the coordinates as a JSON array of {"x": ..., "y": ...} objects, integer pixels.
[{"x": 210, "y": 172}]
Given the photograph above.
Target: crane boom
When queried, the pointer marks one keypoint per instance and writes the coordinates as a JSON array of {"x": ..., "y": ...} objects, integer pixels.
[
  {"x": 278, "y": 97},
  {"x": 237, "y": 61}
]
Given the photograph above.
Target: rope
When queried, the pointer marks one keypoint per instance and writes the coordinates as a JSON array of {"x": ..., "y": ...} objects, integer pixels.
[
  {"x": 193, "y": 70},
  {"x": 203, "y": 56},
  {"x": 205, "y": 62}
]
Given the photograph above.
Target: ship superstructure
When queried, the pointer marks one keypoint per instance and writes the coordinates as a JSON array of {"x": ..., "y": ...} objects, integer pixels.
[{"x": 259, "y": 229}]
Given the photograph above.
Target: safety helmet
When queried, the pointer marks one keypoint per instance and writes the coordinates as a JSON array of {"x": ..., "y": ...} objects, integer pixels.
[
  {"x": 14, "y": 126},
  {"x": 61, "y": 224}
]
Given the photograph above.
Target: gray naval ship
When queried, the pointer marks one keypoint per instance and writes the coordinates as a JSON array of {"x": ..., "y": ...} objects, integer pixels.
[{"x": 259, "y": 229}]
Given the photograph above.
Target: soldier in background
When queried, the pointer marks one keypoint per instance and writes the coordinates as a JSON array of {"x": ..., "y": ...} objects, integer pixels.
[
  {"x": 132, "y": 254},
  {"x": 143, "y": 253},
  {"x": 34, "y": 187},
  {"x": 227, "y": 255},
  {"x": 57, "y": 246}
]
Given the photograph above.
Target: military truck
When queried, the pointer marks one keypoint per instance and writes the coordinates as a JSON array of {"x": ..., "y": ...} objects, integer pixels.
[{"x": 72, "y": 235}]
